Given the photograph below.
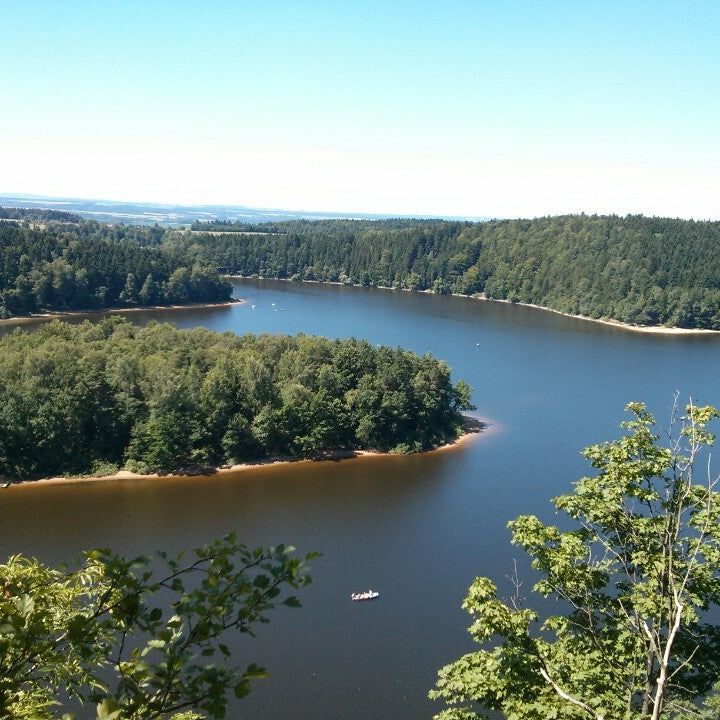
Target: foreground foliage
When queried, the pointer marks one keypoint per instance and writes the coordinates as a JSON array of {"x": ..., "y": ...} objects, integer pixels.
[
  {"x": 636, "y": 577},
  {"x": 133, "y": 643},
  {"x": 93, "y": 397}
]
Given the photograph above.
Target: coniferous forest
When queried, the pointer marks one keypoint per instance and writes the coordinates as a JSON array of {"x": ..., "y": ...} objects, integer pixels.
[
  {"x": 635, "y": 269},
  {"x": 54, "y": 262},
  {"x": 96, "y": 397}
]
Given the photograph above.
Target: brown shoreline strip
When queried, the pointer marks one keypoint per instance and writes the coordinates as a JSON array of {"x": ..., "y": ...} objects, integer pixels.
[
  {"x": 475, "y": 427},
  {"x": 60, "y": 314}
]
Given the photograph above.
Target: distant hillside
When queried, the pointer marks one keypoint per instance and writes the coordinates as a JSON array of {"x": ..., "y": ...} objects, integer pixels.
[
  {"x": 37, "y": 215},
  {"x": 638, "y": 270},
  {"x": 170, "y": 215},
  {"x": 53, "y": 261},
  {"x": 635, "y": 269}
]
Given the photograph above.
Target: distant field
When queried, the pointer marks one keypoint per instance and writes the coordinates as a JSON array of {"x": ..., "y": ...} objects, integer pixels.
[
  {"x": 132, "y": 213},
  {"x": 229, "y": 232}
]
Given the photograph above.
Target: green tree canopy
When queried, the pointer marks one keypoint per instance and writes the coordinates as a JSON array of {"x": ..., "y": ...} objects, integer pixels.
[
  {"x": 92, "y": 397},
  {"x": 635, "y": 578},
  {"x": 133, "y": 642},
  {"x": 86, "y": 265},
  {"x": 640, "y": 270}
]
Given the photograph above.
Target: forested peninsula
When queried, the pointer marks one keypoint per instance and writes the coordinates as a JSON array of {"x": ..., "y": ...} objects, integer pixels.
[
  {"x": 95, "y": 397},
  {"x": 634, "y": 269},
  {"x": 52, "y": 261}
]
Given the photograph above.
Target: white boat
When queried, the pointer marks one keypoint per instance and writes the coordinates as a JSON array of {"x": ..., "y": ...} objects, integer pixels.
[{"x": 367, "y": 595}]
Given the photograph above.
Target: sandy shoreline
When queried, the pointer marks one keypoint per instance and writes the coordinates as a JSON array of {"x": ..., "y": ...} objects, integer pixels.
[
  {"x": 60, "y": 314},
  {"x": 476, "y": 428},
  {"x": 654, "y": 329}
]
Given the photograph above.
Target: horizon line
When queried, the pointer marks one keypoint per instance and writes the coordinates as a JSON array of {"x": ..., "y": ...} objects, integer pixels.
[{"x": 360, "y": 214}]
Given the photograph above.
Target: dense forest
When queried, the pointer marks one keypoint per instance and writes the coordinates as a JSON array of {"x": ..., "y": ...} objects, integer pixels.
[
  {"x": 640, "y": 270},
  {"x": 37, "y": 214},
  {"x": 231, "y": 226},
  {"x": 94, "y": 397},
  {"x": 51, "y": 261}
]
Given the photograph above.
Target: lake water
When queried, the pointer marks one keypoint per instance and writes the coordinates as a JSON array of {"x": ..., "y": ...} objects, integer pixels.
[{"x": 417, "y": 528}]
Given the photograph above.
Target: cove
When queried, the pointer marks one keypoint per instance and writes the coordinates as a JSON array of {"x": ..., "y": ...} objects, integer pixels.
[{"x": 418, "y": 528}]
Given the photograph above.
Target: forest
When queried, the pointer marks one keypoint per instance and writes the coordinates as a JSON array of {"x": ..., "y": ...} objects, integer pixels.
[
  {"x": 635, "y": 269},
  {"x": 12, "y": 213},
  {"x": 91, "y": 398},
  {"x": 50, "y": 261}
]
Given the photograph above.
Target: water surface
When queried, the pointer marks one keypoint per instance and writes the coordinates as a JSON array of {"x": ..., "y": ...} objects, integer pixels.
[{"x": 417, "y": 528}]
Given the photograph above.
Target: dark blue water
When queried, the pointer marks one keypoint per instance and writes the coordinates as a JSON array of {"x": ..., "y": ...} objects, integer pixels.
[{"x": 418, "y": 528}]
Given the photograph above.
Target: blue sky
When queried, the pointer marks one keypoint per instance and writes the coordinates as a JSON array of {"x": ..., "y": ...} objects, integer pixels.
[{"x": 453, "y": 108}]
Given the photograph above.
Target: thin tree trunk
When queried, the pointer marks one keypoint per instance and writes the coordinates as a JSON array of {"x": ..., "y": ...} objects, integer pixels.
[{"x": 664, "y": 663}]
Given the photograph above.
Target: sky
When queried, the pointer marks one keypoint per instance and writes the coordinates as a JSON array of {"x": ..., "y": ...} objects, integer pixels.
[{"x": 483, "y": 108}]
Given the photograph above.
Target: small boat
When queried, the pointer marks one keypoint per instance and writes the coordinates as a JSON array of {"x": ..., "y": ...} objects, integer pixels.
[{"x": 367, "y": 595}]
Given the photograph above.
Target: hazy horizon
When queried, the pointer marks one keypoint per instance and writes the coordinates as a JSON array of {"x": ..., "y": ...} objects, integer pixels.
[
  {"x": 108, "y": 209},
  {"x": 360, "y": 214},
  {"x": 29, "y": 197},
  {"x": 453, "y": 109}
]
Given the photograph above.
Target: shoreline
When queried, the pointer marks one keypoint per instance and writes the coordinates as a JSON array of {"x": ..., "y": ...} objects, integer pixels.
[
  {"x": 475, "y": 428},
  {"x": 651, "y": 329},
  {"x": 608, "y": 322},
  {"x": 60, "y": 314}
]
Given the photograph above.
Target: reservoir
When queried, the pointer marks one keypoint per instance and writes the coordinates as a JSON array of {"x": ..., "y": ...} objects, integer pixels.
[{"x": 417, "y": 528}]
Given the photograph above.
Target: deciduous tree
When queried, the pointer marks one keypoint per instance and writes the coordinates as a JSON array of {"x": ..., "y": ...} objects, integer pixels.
[
  {"x": 634, "y": 577},
  {"x": 131, "y": 642}
]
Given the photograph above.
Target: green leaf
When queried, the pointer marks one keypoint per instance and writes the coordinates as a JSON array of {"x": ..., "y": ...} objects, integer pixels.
[
  {"x": 242, "y": 689},
  {"x": 254, "y": 672},
  {"x": 108, "y": 710}
]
